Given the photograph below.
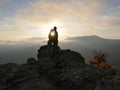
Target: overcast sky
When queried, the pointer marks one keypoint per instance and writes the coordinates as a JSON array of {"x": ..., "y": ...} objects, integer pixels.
[{"x": 22, "y": 19}]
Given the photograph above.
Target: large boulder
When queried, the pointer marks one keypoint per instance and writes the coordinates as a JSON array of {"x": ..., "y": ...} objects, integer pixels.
[
  {"x": 31, "y": 60},
  {"x": 63, "y": 59},
  {"x": 45, "y": 51},
  {"x": 25, "y": 79},
  {"x": 70, "y": 57}
]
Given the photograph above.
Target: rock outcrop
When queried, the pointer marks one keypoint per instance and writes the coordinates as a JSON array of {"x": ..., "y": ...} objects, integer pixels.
[{"x": 63, "y": 70}]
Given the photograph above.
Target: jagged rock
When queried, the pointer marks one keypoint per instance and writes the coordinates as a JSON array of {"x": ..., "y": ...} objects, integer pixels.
[
  {"x": 70, "y": 57},
  {"x": 109, "y": 72},
  {"x": 31, "y": 60},
  {"x": 66, "y": 70},
  {"x": 30, "y": 84},
  {"x": 64, "y": 59},
  {"x": 44, "y": 52},
  {"x": 7, "y": 71},
  {"x": 80, "y": 77},
  {"x": 21, "y": 80},
  {"x": 108, "y": 83}
]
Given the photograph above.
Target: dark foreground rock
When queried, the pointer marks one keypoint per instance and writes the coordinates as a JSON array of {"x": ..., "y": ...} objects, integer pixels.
[{"x": 66, "y": 70}]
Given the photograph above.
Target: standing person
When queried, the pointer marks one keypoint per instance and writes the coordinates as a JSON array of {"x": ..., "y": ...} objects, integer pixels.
[{"x": 56, "y": 36}]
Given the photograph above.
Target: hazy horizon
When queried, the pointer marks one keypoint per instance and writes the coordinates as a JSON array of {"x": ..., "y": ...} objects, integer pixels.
[
  {"x": 43, "y": 41},
  {"x": 19, "y": 52}
]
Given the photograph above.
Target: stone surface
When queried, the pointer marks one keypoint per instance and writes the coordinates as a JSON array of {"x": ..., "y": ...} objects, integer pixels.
[
  {"x": 67, "y": 70},
  {"x": 46, "y": 51},
  {"x": 31, "y": 60}
]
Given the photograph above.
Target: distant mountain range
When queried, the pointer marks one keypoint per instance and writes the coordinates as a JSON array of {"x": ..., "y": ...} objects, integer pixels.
[{"x": 86, "y": 45}]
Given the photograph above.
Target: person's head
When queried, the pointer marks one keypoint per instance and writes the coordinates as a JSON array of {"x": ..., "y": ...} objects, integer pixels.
[{"x": 55, "y": 28}]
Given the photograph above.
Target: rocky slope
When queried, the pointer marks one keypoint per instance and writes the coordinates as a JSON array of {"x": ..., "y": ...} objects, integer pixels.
[{"x": 66, "y": 70}]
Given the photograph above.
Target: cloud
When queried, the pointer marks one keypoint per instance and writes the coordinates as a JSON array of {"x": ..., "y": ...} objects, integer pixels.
[
  {"x": 76, "y": 17},
  {"x": 36, "y": 39},
  {"x": 114, "y": 22},
  {"x": 111, "y": 18},
  {"x": 81, "y": 15},
  {"x": 2, "y": 2},
  {"x": 47, "y": 11},
  {"x": 26, "y": 40}
]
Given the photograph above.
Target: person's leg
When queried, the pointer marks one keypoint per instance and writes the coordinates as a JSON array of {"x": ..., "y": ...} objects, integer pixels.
[
  {"x": 55, "y": 48},
  {"x": 49, "y": 47},
  {"x": 55, "y": 43},
  {"x": 49, "y": 42}
]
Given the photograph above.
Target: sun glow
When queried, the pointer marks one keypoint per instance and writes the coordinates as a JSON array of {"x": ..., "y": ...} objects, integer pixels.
[
  {"x": 50, "y": 26},
  {"x": 52, "y": 34}
]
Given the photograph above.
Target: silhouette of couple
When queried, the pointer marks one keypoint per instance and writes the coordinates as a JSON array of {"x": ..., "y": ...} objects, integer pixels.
[
  {"x": 53, "y": 37},
  {"x": 53, "y": 42}
]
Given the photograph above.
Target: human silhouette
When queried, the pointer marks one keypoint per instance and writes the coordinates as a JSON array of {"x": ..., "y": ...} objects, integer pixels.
[
  {"x": 53, "y": 42},
  {"x": 53, "y": 37}
]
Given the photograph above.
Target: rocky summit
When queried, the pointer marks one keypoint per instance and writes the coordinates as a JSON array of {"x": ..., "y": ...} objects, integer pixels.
[{"x": 63, "y": 70}]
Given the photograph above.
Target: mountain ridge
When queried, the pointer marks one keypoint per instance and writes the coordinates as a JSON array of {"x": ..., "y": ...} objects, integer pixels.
[{"x": 91, "y": 37}]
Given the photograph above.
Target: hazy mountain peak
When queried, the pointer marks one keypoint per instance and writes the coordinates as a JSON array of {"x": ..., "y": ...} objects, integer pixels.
[{"x": 91, "y": 37}]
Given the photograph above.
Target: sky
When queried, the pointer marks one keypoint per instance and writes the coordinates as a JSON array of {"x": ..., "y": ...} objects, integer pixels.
[{"x": 31, "y": 20}]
